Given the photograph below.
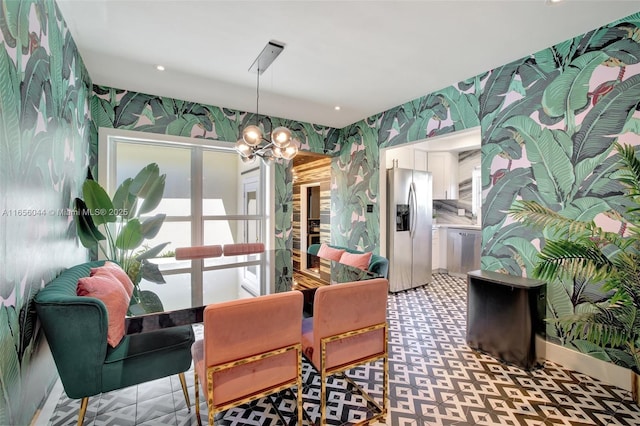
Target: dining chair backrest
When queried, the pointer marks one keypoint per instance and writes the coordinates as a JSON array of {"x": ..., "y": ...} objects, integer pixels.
[
  {"x": 242, "y": 248},
  {"x": 341, "y": 308},
  {"x": 245, "y": 328},
  {"x": 198, "y": 252}
]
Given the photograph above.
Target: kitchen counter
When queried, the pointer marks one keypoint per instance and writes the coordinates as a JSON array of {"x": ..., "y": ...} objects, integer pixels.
[{"x": 457, "y": 226}]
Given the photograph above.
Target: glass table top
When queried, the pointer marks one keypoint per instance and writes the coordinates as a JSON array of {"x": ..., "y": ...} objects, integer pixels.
[{"x": 191, "y": 285}]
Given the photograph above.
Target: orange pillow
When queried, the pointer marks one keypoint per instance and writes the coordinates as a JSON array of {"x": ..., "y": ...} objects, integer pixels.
[
  {"x": 330, "y": 253},
  {"x": 108, "y": 289},
  {"x": 117, "y": 272},
  {"x": 356, "y": 260}
]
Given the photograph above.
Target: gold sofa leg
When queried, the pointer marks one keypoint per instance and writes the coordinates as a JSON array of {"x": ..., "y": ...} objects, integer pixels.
[
  {"x": 197, "y": 390},
  {"x": 83, "y": 410},
  {"x": 183, "y": 383}
]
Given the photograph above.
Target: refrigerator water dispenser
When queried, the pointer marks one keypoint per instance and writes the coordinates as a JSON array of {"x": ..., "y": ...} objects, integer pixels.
[{"x": 402, "y": 217}]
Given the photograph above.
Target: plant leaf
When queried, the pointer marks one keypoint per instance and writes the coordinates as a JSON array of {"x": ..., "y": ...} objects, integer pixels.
[
  {"x": 152, "y": 252},
  {"x": 85, "y": 228},
  {"x": 153, "y": 196},
  {"x": 144, "y": 180},
  {"x": 130, "y": 237},
  {"x": 98, "y": 202},
  {"x": 152, "y": 225},
  {"x": 151, "y": 272}
]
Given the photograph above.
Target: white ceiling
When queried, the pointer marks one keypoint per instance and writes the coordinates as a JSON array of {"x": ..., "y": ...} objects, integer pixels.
[{"x": 366, "y": 56}]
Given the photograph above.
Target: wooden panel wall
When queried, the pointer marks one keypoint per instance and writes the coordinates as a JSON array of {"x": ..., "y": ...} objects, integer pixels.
[{"x": 316, "y": 171}]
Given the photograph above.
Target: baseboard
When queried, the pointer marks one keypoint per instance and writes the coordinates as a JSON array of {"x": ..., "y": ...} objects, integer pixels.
[{"x": 604, "y": 371}]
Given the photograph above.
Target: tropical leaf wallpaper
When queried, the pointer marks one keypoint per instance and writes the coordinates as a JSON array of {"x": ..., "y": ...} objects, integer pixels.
[
  {"x": 127, "y": 110},
  {"x": 548, "y": 122},
  {"x": 44, "y": 146}
]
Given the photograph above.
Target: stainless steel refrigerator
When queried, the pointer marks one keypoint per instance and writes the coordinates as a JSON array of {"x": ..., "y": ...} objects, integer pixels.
[{"x": 409, "y": 226}]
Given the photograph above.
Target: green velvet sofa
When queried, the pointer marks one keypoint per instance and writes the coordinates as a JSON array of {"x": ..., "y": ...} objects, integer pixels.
[
  {"x": 377, "y": 264},
  {"x": 76, "y": 330}
]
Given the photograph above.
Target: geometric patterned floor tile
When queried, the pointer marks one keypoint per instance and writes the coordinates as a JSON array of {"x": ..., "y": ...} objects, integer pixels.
[{"x": 434, "y": 379}]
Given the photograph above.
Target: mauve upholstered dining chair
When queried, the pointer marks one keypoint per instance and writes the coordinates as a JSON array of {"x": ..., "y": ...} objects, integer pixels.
[
  {"x": 198, "y": 252},
  {"x": 251, "y": 348},
  {"x": 242, "y": 248},
  {"x": 348, "y": 329}
]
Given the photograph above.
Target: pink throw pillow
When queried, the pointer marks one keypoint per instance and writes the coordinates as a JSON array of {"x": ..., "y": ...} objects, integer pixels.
[
  {"x": 330, "y": 253},
  {"x": 356, "y": 260},
  {"x": 113, "y": 295},
  {"x": 117, "y": 272}
]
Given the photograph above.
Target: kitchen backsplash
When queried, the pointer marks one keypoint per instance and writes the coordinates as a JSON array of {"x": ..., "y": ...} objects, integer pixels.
[{"x": 446, "y": 211}]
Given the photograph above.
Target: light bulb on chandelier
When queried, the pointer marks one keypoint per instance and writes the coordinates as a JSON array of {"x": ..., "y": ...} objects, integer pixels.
[{"x": 279, "y": 144}]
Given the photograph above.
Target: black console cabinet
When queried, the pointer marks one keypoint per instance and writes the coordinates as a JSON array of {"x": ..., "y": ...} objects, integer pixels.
[{"x": 504, "y": 313}]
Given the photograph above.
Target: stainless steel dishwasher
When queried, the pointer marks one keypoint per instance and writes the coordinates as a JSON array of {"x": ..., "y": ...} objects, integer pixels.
[{"x": 463, "y": 251}]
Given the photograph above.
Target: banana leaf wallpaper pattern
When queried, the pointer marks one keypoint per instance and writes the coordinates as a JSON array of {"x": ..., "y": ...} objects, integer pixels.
[
  {"x": 127, "y": 110},
  {"x": 44, "y": 145},
  {"x": 548, "y": 122}
]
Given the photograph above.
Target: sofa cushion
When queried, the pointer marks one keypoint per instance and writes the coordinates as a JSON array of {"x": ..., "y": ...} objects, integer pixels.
[
  {"x": 327, "y": 252},
  {"x": 110, "y": 291},
  {"x": 357, "y": 260},
  {"x": 119, "y": 273}
]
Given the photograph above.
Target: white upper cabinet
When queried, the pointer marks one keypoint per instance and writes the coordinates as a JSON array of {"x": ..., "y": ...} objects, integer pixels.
[{"x": 443, "y": 166}]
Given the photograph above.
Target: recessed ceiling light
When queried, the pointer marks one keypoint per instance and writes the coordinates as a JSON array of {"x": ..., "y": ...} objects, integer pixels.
[
  {"x": 337, "y": 107},
  {"x": 160, "y": 67},
  {"x": 552, "y": 2}
]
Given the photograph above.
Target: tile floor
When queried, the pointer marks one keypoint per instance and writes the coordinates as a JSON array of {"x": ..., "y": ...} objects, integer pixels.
[{"x": 435, "y": 379}]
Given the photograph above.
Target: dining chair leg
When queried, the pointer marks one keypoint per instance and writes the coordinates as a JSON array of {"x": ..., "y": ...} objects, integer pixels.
[
  {"x": 83, "y": 410},
  {"x": 323, "y": 399},
  {"x": 299, "y": 384},
  {"x": 183, "y": 383},
  {"x": 197, "y": 388}
]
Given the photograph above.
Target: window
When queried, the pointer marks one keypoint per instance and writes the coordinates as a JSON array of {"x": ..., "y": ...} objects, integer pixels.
[{"x": 210, "y": 197}]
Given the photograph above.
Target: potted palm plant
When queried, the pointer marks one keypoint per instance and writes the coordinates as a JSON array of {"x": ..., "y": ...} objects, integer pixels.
[
  {"x": 115, "y": 227},
  {"x": 580, "y": 250}
]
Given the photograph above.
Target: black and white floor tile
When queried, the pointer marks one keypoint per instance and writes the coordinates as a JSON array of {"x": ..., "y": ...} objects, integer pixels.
[{"x": 434, "y": 379}]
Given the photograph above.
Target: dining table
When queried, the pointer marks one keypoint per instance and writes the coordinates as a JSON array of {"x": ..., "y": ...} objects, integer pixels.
[{"x": 191, "y": 285}]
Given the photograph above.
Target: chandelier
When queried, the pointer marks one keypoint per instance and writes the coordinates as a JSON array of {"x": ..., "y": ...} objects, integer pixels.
[{"x": 254, "y": 143}]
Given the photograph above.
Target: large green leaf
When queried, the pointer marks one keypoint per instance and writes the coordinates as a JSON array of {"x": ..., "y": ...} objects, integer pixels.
[
  {"x": 151, "y": 226},
  {"x": 98, "y": 202},
  {"x": 102, "y": 112},
  {"x": 153, "y": 196},
  {"x": 151, "y": 272},
  {"x": 183, "y": 126},
  {"x": 85, "y": 228},
  {"x": 502, "y": 194},
  {"x": 497, "y": 86},
  {"x": 606, "y": 119},
  {"x": 35, "y": 74},
  {"x": 152, "y": 252},
  {"x": 150, "y": 302},
  {"x": 10, "y": 382},
  {"x": 130, "y": 236},
  {"x": 568, "y": 92},
  {"x": 11, "y": 143},
  {"x": 129, "y": 110},
  {"x": 124, "y": 200},
  {"x": 16, "y": 14},
  {"x": 144, "y": 180},
  {"x": 552, "y": 168}
]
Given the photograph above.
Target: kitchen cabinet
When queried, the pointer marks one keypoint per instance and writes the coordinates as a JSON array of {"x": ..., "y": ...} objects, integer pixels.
[
  {"x": 443, "y": 166},
  {"x": 463, "y": 250},
  {"x": 435, "y": 251}
]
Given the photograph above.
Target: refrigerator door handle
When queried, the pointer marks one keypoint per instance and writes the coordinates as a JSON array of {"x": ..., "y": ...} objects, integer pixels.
[{"x": 413, "y": 202}]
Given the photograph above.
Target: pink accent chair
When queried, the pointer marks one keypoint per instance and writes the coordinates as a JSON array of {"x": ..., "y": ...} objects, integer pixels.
[
  {"x": 198, "y": 252},
  {"x": 243, "y": 356},
  {"x": 242, "y": 248},
  {"x": 348, "y": 328}
]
